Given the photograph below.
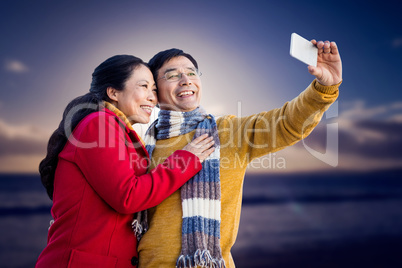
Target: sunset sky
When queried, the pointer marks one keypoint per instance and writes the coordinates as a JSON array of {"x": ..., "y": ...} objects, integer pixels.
[{"x": 49, "y": 50}]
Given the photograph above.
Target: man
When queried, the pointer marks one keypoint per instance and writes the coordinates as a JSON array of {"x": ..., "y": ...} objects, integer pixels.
[{"x": 194, "y": 226}]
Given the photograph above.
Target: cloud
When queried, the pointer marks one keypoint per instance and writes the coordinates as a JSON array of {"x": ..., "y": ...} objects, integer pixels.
[
  {"x": 373, "y": 139},
  {"x": 396, "y": 105},
  {"x": 368, "y": 138},
  {"x": 15, "y": 66},
  {"x": 22, "y": 140},
  {"x": 375, "y": 132},
  {"x": 357, "y": 110},
  {"x": 396, "y": 118},
  {"x": 20, "y": 163}
]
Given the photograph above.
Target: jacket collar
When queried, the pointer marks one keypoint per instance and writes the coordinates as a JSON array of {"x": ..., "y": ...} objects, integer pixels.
[{"x": 128, "y": 129}]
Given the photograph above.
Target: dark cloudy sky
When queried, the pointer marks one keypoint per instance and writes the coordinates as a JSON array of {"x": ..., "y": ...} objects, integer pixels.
[{"x": 50, "y": 48}]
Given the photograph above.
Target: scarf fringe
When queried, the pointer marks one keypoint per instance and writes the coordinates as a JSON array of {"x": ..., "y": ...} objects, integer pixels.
[
  {"x": 137, "y": 228},
  {"x": 200, "y": 259},
  {"x": 139, "y": 225}
]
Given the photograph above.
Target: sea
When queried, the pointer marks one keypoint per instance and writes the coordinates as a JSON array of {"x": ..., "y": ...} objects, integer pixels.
[{"x": 320, "y": 219}]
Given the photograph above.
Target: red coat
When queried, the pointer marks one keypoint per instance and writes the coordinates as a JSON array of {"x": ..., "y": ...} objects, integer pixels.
[{"x": 100, "y": 183}]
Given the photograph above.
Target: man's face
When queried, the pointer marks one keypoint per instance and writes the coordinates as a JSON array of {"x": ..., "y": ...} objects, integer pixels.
[{"x": 183, "y": 95}]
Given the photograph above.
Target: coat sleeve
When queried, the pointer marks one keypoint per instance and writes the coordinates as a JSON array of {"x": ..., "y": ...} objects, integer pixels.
[
  {"x": 257, "y": 135},
  {"x": 102, "y": 155}
]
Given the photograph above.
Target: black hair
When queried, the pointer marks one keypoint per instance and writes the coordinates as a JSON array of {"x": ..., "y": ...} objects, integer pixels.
[
  {"x": 159, "y": 59},
  {"x": 113, "y": 72}
]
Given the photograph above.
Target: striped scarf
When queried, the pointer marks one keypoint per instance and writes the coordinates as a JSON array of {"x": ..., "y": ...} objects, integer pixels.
[{"x": 200, "y": 196}]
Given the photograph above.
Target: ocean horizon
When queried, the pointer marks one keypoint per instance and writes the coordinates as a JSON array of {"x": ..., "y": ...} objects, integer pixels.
[{"x": 320, "y": 219}]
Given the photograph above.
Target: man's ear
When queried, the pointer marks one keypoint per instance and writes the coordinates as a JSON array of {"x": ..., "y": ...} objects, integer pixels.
[{"x": 112, "y": 93}]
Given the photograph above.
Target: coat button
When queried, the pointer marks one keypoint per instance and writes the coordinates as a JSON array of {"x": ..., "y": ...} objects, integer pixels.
[{"x": 134, "y": 261}]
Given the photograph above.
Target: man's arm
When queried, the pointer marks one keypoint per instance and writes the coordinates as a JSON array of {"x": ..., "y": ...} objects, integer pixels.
[
  {"x": 266, "y": 132},
  {"x": 257, "y": 135}
]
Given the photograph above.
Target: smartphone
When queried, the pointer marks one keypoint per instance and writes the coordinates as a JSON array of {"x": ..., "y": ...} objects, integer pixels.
[{"x": 303, "y": 50}]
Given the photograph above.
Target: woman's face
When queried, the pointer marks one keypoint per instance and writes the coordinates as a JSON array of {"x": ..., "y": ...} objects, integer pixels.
[{"x": 138, "y": 98}]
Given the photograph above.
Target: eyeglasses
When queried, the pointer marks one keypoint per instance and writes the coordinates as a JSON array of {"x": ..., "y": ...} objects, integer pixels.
[{"x": 174, "y": 75}]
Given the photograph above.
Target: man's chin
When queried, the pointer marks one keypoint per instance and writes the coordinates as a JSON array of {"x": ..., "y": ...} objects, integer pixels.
[{"x": 188, "y": 107}]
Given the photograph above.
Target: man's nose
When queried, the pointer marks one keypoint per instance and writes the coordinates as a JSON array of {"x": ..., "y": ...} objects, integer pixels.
[{"x": 184, "y": 80}]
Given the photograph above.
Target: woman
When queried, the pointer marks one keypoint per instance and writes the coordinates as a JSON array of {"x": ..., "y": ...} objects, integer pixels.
[{"x": 95, "y": 169}]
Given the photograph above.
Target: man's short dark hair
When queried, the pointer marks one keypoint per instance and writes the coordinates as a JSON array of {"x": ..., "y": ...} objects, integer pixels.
[{"x": 159, "y": 59}]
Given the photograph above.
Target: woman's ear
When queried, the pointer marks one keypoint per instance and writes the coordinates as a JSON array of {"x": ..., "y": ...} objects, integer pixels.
[{"x": 112, "y": 93}]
